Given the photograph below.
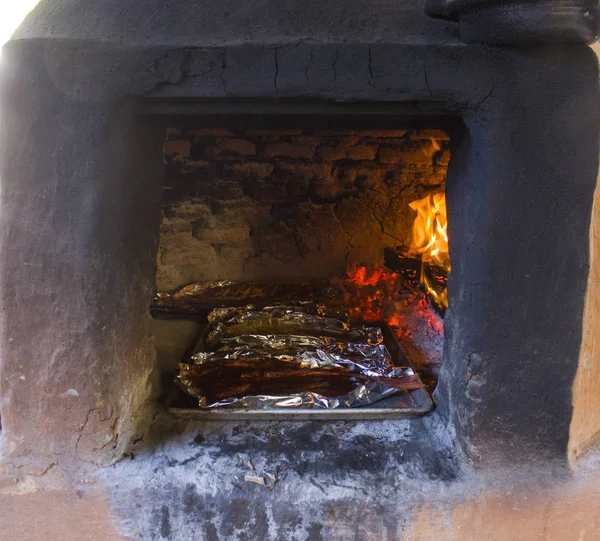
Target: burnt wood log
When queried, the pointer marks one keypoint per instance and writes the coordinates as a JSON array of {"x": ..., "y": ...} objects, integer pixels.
[{"x": 411, "y": 268}]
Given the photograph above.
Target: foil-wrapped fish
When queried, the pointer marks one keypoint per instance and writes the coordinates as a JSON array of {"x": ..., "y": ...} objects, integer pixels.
[
  {"x": 279, "y": 341},
  {"x": 230, "y": 379},
  {"x": 198, "y": 299},
  {"x": 308, "y": 352},
  {"x": 305, "y": 307},
  {"x": 269, "y": 382},
  {"x": 279, "y": 321}
]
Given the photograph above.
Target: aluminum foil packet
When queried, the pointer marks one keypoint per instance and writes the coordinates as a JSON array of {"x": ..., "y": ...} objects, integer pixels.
[
  {"x": 308, "y": 352},
  {"x": 306, "y": 307},
  {"x": 196, "y": 300},
  {"x": 282, "y": 320},
  {"x": 363, "y": 395},
  {"x": 263, "y": 383}
]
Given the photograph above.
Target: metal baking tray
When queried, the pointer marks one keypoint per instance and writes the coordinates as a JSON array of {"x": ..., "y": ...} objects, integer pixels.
[{"x": 403, "y": 405}]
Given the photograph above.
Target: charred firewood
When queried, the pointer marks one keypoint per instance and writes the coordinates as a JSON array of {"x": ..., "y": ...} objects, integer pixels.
[
  {"x": 417, "y": 273},
  {"x": 408, "y": 267}
]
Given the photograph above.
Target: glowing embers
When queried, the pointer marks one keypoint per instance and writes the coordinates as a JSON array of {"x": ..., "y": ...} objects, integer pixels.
[
  {"x": 382, "y": 295},
  {"x": 430, "y": 241},
  {"x": 396, "y": 298}
]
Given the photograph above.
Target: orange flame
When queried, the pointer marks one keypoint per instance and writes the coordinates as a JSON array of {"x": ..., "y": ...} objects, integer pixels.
[
  {"x": 363, "y": 277},
  {"x": 430, "y": 229},
  {"x": 430, "y": 238}
]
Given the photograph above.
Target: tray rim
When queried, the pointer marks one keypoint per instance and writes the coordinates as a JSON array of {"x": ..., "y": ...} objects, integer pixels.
[{"x": 297, "y": 414}]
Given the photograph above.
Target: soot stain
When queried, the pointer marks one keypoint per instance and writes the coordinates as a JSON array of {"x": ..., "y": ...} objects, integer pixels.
[
  {"x": 191, "y": 500},
  {"x": 314, "y": 531},
  {"x": 288, "y": 521},
  {"x": 236, "y": 516},
  {"x": 210, "y": 531},
  {"x": 165, "y": 523}
]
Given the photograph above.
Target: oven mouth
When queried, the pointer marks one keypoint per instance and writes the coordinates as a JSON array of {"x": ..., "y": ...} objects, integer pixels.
[{"x": 262, "y": 194}]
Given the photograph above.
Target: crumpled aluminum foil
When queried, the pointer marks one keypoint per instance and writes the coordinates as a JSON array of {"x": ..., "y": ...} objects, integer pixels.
[
  {"x": 309, "y": 352},
  {"x": 363, "y": 395},
  {"x": 282, "y": 320},
  {"x": 373, "y": 361},
  {"x": 194, "y": 301},
  {"x": 305, "y": 307}
]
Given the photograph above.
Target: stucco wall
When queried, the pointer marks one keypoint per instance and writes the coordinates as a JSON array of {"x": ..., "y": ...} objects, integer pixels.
[{"x": 585, "y": 425}]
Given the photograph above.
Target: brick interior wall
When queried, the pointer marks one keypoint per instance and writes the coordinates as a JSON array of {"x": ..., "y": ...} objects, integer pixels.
[{"x": 288, "y": 205}]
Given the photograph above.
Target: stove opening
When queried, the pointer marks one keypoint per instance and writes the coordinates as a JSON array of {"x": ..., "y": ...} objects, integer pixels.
[{"x": 342, "y": 227}]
